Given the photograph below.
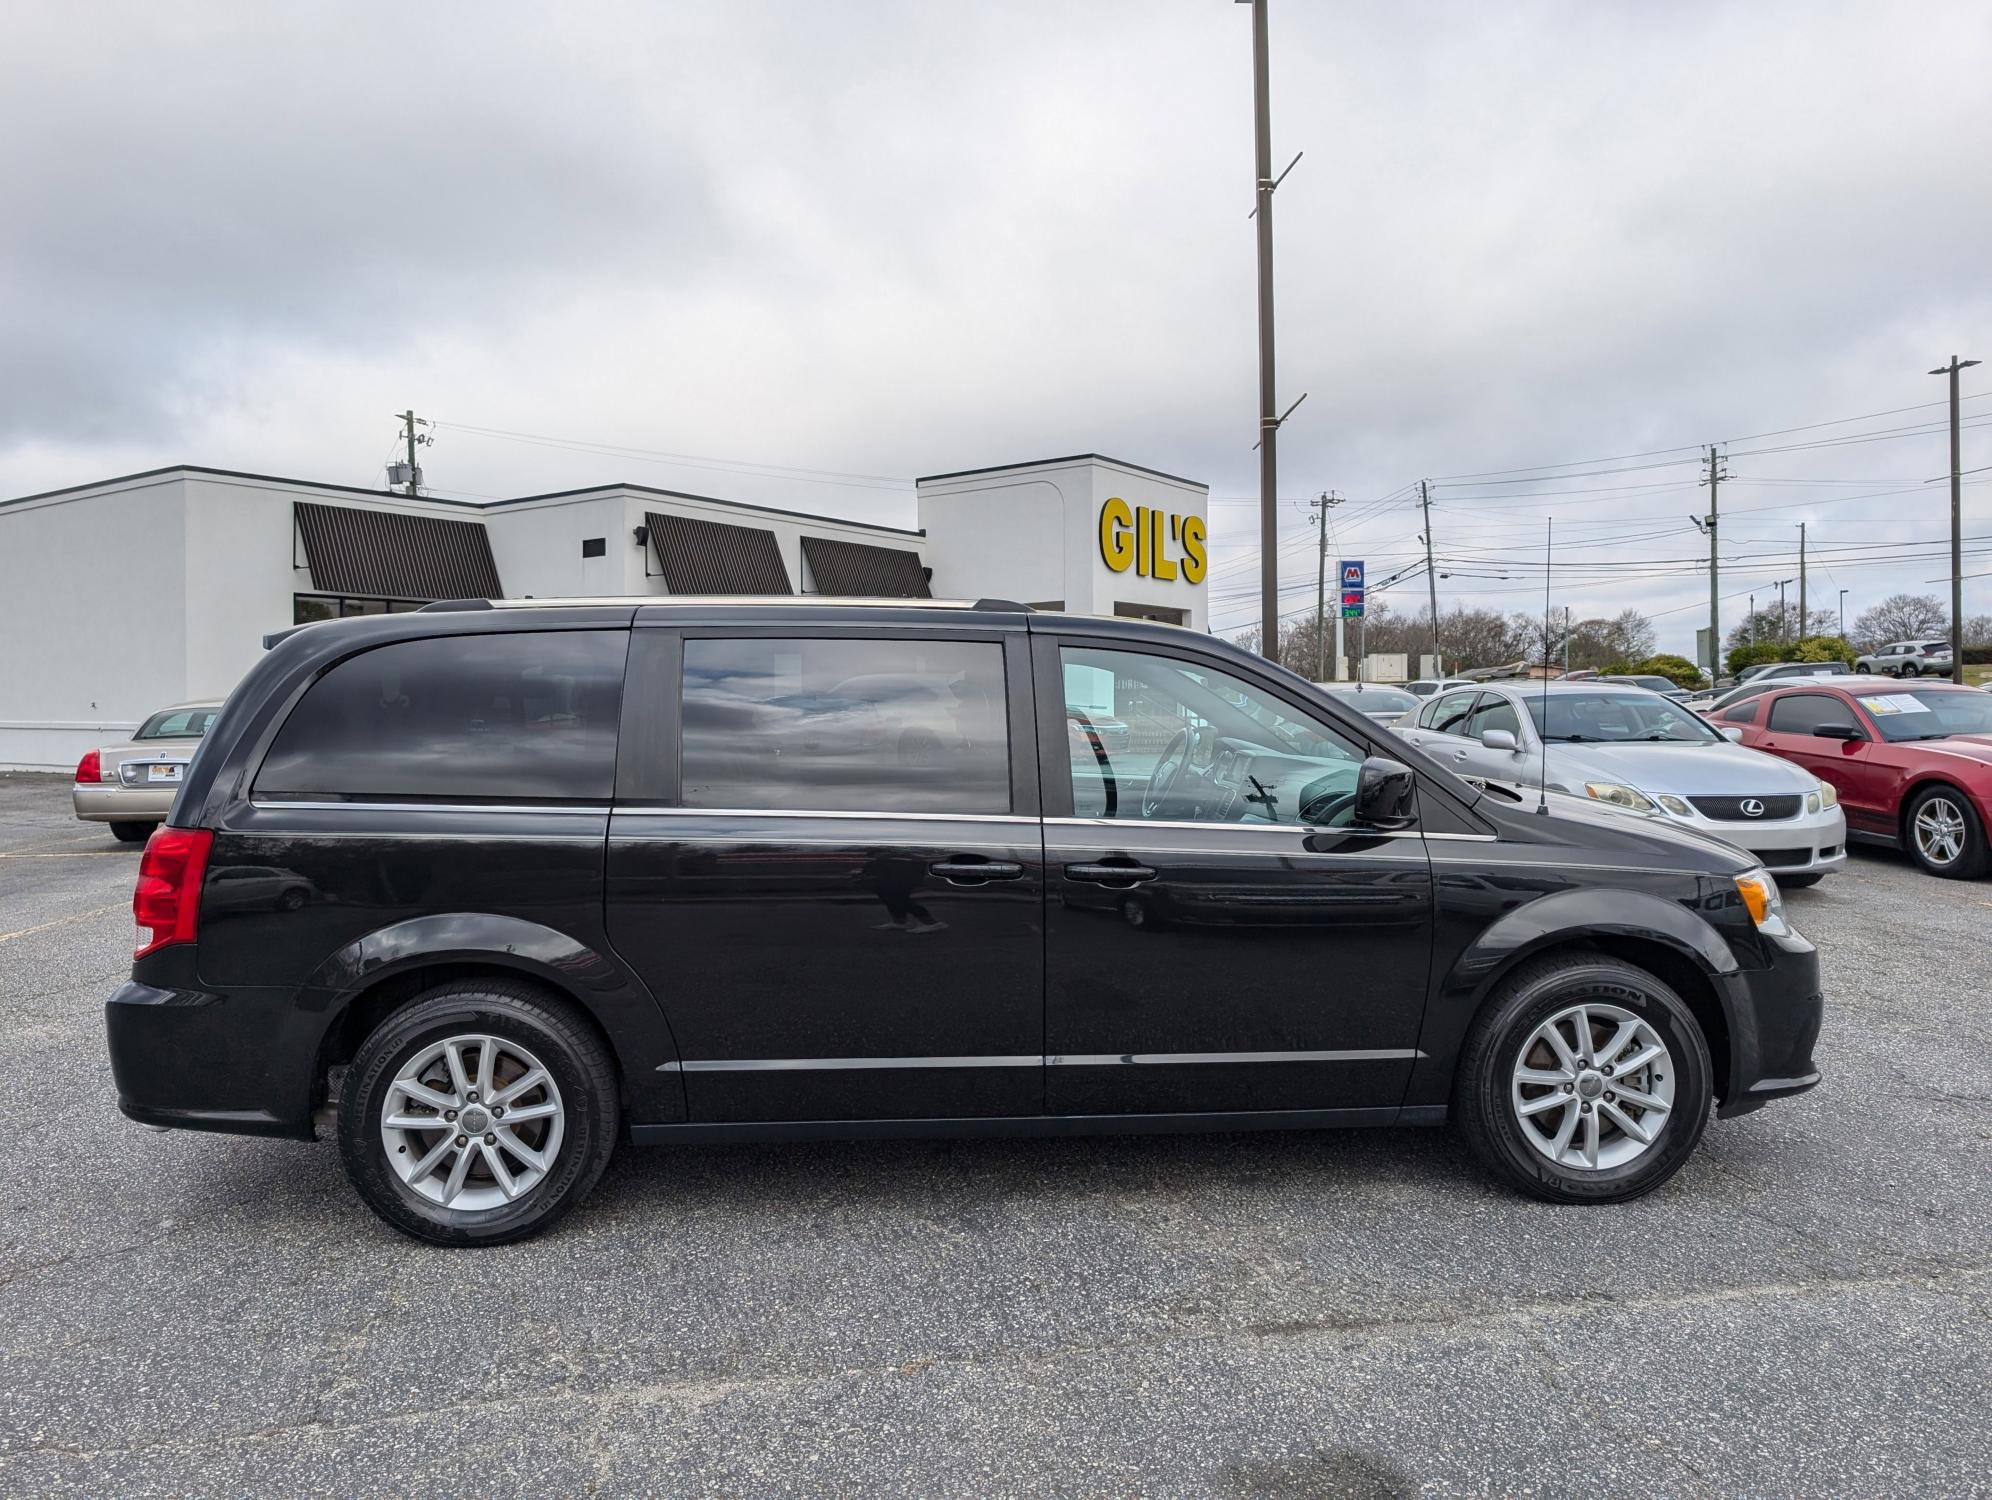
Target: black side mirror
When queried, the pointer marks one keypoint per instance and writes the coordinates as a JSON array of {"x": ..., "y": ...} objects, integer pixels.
[
  {"x": 1386, "y": 793},
  {"x": 1836, "y": 732}
]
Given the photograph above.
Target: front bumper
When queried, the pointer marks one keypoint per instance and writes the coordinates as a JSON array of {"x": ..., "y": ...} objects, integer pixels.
[
  {"x": 109, "y": 802},
  {"x": 1809, "y": 844},
  {"x": 1774, "y": 1016}
]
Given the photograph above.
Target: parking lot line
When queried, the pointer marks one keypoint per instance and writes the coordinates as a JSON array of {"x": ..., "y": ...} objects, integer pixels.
[{"x": 81, "y": 916}]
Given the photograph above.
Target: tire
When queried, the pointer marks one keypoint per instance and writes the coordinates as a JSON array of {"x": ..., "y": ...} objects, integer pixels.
[
  {"x": 132, "y": 833},
  {"x": 529, "y": 1027},
  {"x": 1943, "y": 805},
  {"x": 1910, "y": 669},
  {"x": 1485, "y": 1088},
  {"x": 1798, "y": 882}
]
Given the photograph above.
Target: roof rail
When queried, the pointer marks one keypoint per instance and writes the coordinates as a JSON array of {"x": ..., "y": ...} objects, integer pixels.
[{"x": 1004, "y": 606}]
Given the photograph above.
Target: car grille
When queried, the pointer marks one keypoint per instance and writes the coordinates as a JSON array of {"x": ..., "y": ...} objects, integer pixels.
[
  {"x": 1730, "y": 809},
  {"x": 1785, "y": 859}
]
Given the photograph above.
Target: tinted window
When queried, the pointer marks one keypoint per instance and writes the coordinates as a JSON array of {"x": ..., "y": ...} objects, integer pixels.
[
  {"x": 1742, "y": 713},
  {"x": 458, "y": 718},
  {"x": 179, "y": 724},
  {"x": 1176, "y": 740},
  {"x": 905, "y": 725},
  {"x": 1448, "y": 715},
  {"x": 1803, "y": 713},
  {"x": 1494, "y": 712}
]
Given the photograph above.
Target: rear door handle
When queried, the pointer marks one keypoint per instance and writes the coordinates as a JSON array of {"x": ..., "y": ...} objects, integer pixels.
[
  {"x": 1110, "y": 874},
  {"x": 977, "y": 870}
]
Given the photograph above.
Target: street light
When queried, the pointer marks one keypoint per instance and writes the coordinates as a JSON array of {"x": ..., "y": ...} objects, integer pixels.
[
  {"x": 1843, "y": 615},
  {"x": 1781, "y": 608}
]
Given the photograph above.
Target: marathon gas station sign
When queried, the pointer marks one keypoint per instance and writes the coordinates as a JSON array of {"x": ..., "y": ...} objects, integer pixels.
[
  {"x": 1351, "y": 572},
  {"x": 1154, "y": 543}
]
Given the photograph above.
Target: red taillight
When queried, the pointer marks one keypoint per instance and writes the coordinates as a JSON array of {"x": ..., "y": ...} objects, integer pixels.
[
  {"x": 90, "y": 767},
  {"x": 167, "y": 899}
]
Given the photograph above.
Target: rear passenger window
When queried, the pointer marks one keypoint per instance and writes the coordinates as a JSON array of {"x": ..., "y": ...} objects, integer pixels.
[
  {"x": 1803, "y": 713},
  {"x": 906, "y": 725},
  {"x": 1743, "y": 713},
  {"x": 527, "y": 717}
]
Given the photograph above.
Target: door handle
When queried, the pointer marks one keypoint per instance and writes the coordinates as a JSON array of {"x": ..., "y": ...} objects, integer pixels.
[
  {"x": 977, "y": 870},
  {"x": 1110, "y": 874}
]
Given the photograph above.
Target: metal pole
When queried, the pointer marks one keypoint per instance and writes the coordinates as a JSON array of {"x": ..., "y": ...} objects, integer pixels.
[
  {"x": 1781, "y": 610},
  {"x": 1321, "y": 595},
  {"x": 1431, "y": 579},
  {"x": 408, "y": 417},
  {"x": 1262, "y": 155},
  {"x": 1801, "y": 580},
  {"x": 1957, "y": 513},
  {"x": 1843, "y": 611},
  {"x": 1714, "y": 571}
]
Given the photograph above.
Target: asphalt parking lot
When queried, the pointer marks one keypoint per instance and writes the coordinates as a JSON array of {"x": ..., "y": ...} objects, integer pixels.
[{"x": 1803, "y": 1310}]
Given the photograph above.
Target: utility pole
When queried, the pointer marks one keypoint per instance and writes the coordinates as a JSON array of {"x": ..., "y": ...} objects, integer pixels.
[
  {"x": 1431, "y": 579},
  {"x": 1328, "y": 501},
  {"x": 1782, "y": 634},
  {"x": 1566, "y": 640},
  {"x": 1957, "y": 509},
  {"x": 1801, "y": 581},
  {"x": 1753, "y": 619},
  {"x": 409, "y": 422},
  {"x": 1269, "y": 469},
  {"x": 1713, "y": 481}
]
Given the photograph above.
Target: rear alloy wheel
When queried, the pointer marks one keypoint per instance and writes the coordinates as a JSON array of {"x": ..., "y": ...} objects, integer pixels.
[
  {"x": 1585, "y": 1080},
  {"x": 1945, "y": 835},
  {"x": 478, "y": 1114}
]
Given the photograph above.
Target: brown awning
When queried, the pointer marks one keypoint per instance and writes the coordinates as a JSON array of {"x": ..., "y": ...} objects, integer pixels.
[
  {"x": 711, "y": 557},
  {"x": 859, "y": 570},
  {"x": 384, "y": 554}
]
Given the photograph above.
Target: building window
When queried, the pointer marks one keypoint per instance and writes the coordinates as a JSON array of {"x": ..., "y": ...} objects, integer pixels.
[
  {"x": 594, "y": 546},
  {"x": 305, "y": 608},
  {"x": 1158, "y": 612}
]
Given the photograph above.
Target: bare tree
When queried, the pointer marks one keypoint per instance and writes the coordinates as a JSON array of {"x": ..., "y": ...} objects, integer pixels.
[{"x": 1901, "y": 617}]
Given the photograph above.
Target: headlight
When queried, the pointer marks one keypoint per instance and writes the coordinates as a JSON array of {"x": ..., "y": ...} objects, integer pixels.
[
  {"x": 1762, "y": 900},
  {"x": 1675, "y": 806},
  {"x": 1619, "y": 796},
  {"x": 1829, "y": 794},
  {"x": 1812, "y": 802}
]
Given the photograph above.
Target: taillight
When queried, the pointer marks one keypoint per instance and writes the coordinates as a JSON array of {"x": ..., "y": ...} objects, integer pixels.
[
  {"x": 90, "y": 767},
  {"x": 167, "y": 899}
]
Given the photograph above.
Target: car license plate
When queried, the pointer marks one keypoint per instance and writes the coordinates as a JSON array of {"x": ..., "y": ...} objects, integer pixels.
[{"x": 162, "y": 773}]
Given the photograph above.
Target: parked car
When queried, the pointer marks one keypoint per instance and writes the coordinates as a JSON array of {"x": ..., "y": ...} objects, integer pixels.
[
  {"x": 516, "y": 888},
  {"x": 1666, "y": 687},
  {"x": 1113, "y": 733},
  {"x": 131, "y": 785},
  {"x": 1386, "y": 705},
  {"x": 1913, "y": 765},
  {"x": 1639, "y": 751},
  {"x": 1907, "y": 659},
  {"x": 1729, "y": 697},
  {"x": 1764, "y": 671},
  {"x": 1424, "y": 687}
]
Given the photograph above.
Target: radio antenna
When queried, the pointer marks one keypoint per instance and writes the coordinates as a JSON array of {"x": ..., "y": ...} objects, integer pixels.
[{"x": 1542, "y": 729}]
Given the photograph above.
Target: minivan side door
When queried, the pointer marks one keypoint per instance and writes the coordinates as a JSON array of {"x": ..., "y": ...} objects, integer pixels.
[
  {"x": 826, "y": 861},
  {"x": 1219, "y": 938}
]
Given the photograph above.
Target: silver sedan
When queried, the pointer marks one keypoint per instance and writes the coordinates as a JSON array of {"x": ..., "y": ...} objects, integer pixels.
[
  {"x": 1638, "y": 751},
  {"x": 131, "y": 786}
]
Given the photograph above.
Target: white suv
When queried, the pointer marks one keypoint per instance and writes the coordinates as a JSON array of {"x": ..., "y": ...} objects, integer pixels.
[{"x": 1908, "y": 659}]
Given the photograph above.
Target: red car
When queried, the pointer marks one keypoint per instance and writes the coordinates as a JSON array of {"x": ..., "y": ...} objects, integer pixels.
[{"x": 1913, "y": 765}]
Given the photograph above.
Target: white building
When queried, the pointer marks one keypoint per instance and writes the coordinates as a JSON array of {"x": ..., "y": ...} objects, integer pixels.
[{"x": 121, "y": 597}]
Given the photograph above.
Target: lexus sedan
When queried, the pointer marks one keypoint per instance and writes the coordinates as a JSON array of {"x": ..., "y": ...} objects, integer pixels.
[
  {"x": 1912, "y": 764},
  {"x": 1641, "y": 752},
  {"x": 131, "y": 785}
]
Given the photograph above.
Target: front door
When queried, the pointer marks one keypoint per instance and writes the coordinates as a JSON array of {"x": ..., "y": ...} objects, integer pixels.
[
  {"x": 1218, "y": 937},
  {"x": 831, "y": 873},
  {"x": 1867, "y": 799}
]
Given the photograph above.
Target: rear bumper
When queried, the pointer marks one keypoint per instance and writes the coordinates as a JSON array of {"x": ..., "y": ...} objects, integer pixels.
[
  {"x": 1774, "y": 1019},
  {"x": 202, "y": 1061},
  {"x": 112, "y": 803}
]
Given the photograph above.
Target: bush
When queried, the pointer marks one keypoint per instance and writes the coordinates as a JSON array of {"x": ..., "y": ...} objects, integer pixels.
[
  {"x": 1676, "y": 669},
  {"x": 1812, "y": 648},
  {"x": 1978, "y": 656}
]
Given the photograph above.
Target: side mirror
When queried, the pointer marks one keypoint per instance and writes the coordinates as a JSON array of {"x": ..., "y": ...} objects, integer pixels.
[
  {"x": 1500, "y": 739},
  {"x": 1731, "y": 733},
  {"x": 1386, "y": 793},
  {"x": 1836, "y": 732}
]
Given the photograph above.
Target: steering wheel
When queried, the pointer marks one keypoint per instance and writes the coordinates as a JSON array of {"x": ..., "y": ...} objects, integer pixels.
[
  {"x": 1323, "y": 810},
  {"x": 1162, "y": 780}
]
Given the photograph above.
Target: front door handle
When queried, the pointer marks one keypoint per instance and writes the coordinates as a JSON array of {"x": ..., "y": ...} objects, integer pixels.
[
  {"x": 1110, "y": 874},
  {"x": 977, "y": 870}
]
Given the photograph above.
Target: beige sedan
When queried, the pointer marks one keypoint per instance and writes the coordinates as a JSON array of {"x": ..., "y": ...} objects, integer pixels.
[{"x": 131, "y": 786}]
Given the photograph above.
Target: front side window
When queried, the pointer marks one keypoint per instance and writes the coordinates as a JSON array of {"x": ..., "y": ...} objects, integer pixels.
[
  {"x": 525, "y": 717},
  {"x": 1163, "y": 738},
  {"x": 1493, "y": 712},
  {"x": 900, "y": 726},
  {"x": 1607, "y": 717},
  {"x": 1448, "y": 714},
  {"x": 1803, "y": 713}
]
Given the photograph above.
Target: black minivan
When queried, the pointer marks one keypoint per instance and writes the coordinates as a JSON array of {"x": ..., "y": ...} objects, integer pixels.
[{"x": 507, "y": 883}]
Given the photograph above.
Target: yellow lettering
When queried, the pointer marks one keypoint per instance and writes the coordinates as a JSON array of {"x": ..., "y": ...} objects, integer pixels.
[
  {"x": 1116, "y": 546},
  {"x": 1194, "y": 557},
  {"x": 1141, "y": 553},
  {"x": 1159, "y": 565}
]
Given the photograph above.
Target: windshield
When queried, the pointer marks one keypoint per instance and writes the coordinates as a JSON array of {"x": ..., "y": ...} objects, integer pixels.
[
  {"x": 1379, "y": 700},
  {"x": 177, "y": 724},
  {"x": 1616, "y": 717},
  {"x": 1929, "y": 713}
]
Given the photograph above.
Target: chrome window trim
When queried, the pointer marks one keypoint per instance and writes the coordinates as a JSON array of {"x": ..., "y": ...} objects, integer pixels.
[
  {"x": 772, "y": 812},
  {"x": 281, "y": 805}
]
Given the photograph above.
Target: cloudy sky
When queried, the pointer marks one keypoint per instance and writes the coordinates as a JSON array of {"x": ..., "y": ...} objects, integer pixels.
[{"x": 797, "y": 253}]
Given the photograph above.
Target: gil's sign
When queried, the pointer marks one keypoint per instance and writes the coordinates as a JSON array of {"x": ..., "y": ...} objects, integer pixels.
[{"x": 1137, "y": 537}]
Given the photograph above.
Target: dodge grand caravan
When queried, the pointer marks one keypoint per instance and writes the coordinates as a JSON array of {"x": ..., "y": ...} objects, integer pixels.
[{"x": 545, "y": 877}]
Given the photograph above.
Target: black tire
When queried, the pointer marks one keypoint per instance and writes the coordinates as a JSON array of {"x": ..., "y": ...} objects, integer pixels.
[
  {"x": 548, "y": 1027},
  {"x": 1799, "y": 882},
  {"x": 132, "y": 833},
  {"x": 1910, "y": 669},
  {"x": 1531, "y": 995},
  {"x": 1973, "y": 860}
]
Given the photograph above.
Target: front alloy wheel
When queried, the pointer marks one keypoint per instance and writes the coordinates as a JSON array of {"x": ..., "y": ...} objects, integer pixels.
[
  {"x": 1945, "y": 834},
  {"x": 1593, "y": 1087}
]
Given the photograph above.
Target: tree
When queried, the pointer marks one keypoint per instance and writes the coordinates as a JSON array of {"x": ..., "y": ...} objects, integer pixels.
[
  {"x": 1676, "y": 669},
  {"x": 1627, "y": 636},
  {"x": 1901, "y": 617},
  {"x": 1812, "y": 648},
  {"x": 1762, "y": 625},
  {"x": 1978, "y": 630}
]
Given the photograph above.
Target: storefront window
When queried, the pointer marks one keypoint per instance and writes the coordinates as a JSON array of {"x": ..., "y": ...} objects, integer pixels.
[{"x": 306, "y": 608}]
